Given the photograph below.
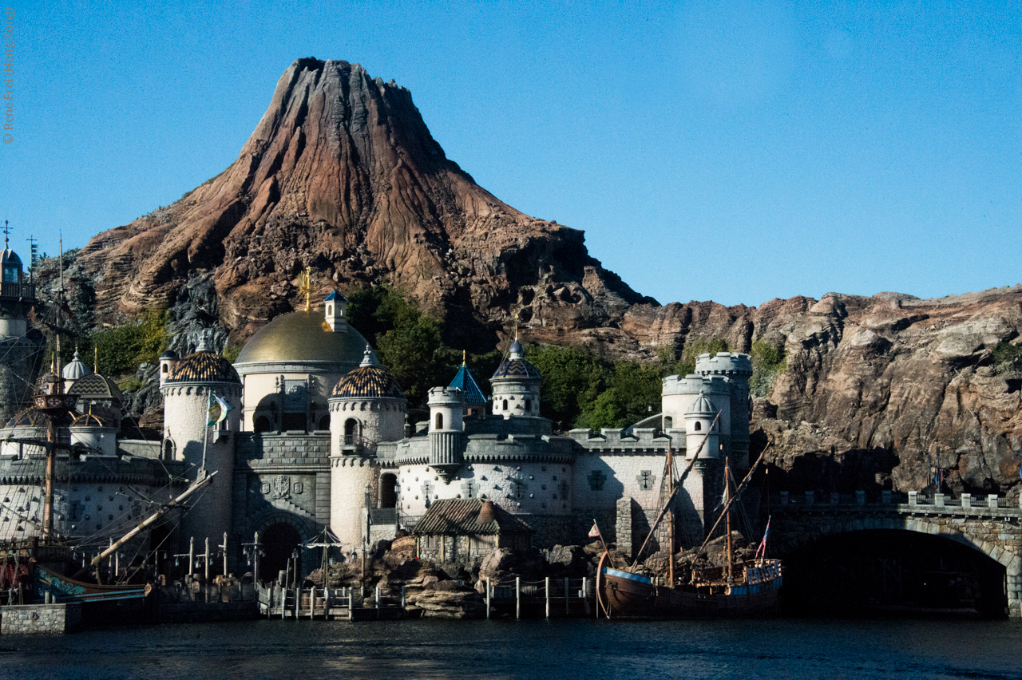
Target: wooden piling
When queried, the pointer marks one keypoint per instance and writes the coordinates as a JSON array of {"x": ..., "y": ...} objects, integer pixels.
[
  {"x": 567, "y": 598},
  {"x": 546, "y": 592},
  {"x": 488, "y": 591},
  {"x": 518, "y": 597}
]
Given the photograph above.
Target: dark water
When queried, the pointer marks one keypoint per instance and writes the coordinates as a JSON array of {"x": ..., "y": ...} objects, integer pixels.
[{"x": 528, "y": 649}]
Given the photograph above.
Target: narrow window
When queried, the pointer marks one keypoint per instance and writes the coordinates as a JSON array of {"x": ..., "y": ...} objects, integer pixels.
[
  {"x": 505, "y": 404},
  {"x": 440, "y": 421},
  {"x": 698, "y": 426},
  {"x": 528, "y": 405}
]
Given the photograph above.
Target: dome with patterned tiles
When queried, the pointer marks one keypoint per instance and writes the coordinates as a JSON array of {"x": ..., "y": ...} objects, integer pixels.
[
  {"x": 96, "y": 386},
  {"x": 370, "y": 381},
  {"x": 515, "y": 366},
  {"x": 203, "y": 366}
]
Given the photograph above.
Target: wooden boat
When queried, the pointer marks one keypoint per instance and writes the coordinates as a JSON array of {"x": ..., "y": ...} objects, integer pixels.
[
  {"x": 752, "y": 593},
  {"x": 743, "y": 589}
]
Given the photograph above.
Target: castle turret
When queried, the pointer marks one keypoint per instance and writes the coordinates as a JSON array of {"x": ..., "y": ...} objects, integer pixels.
[
  {"x": 516, "y": 385},
  {"x": 700, "y": 426},
  {"x": 475, "y": 400},
  {"x": 167, "y": 362},
  {"x": 736, "y": 369},
  {"x": 446, "y": 409},
  {"x": 694, "y": 512},
  {"x": 336, "y": 311},
  {"x": 18, "y": 348},
  {"x": 367, "y": 406},
  {"x": 189, "y": 393}
]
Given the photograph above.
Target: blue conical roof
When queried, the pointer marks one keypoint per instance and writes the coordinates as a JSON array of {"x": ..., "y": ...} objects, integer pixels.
[{"x": 467, "y": 384}]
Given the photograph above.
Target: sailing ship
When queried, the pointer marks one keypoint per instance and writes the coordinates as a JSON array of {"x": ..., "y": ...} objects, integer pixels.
[{"x": 744, "y": 588}]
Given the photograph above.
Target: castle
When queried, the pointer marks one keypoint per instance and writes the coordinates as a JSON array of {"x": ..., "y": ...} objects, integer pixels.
[{"x": 316, "y": 436}]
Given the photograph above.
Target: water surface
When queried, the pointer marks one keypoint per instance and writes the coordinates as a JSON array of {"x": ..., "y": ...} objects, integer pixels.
[{"x": 787, "y": 648}]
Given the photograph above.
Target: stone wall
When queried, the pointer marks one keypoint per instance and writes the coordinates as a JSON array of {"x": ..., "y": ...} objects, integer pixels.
[
  {"x": 40, "y": 618},
  {"x": 281, "y": 477}
]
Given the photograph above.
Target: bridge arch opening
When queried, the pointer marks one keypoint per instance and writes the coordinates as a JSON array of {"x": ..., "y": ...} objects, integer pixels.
[{"x": 892, "y": 572}]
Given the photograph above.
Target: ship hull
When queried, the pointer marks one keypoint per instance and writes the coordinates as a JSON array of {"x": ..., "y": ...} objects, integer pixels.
[{"x": 625, "y": 595}]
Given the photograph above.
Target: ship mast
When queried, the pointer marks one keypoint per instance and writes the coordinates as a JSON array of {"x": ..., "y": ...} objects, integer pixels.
[
  {"x": 670, "y": 517},
  {"x": 727, "y": 500},
  {"x": 54, "y": 403}
]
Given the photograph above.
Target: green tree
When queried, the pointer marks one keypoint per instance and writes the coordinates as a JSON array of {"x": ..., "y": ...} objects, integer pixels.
[
  {"x": 572, "y": 379},
  {"x": 768, "y": 362},
  {"x": 122, "y": 349}
]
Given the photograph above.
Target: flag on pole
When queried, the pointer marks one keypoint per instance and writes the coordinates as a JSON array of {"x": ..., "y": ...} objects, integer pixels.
[
  {"x": 594, "y": 532},
  {"x": 217, "y": 411}
]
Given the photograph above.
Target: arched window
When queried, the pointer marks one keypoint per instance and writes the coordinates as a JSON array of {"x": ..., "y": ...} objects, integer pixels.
[
  {"x": 528, "y": 405},
  {"x": 166, "y": 367},
  {"x": 263, "y": 424},
  {"x": 324, "y": 422},
  {"x": 668, "y": 422},
  {"x": 168, "y": 450},
  {"x": 505, "y": 404},
  {"x": 439, "y": 421},
  {"x": 698, "y": 426},
  {"x": 350, "y": 430}
]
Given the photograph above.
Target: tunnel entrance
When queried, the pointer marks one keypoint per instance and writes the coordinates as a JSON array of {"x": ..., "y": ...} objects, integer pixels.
[
  {"x": 279, "y": 541},
  {"x": 896, "y": 573}
]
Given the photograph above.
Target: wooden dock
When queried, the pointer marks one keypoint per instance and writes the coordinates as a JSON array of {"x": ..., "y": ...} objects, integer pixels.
[
  {"x": 544, "y": 598},
  {"x": 327, "y": 604}
]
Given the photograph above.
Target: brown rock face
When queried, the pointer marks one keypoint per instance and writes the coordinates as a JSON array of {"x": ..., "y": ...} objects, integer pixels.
[
  {"x": 877, "y": 392},
  {"x": 342, "y": 174}
]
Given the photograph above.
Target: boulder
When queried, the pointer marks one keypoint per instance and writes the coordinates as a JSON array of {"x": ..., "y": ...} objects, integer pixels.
[{"x": 451, "y": 604}]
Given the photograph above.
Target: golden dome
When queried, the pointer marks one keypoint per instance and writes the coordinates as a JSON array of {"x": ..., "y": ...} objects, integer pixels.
[{"x": 302, "y": 337}]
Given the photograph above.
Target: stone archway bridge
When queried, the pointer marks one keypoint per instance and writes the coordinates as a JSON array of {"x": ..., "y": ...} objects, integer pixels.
[{"x": 989, "y": 524}]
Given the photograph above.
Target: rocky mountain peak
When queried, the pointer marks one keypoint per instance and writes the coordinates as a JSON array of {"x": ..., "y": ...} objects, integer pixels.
[{"x": 342, "y": 174}]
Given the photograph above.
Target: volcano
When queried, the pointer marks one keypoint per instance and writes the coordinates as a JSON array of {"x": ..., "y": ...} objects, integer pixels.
[{"x": 342, "y": 175}]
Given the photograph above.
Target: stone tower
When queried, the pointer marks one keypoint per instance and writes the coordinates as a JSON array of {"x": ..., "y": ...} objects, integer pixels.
[
  {"x": 20, "y": 352},
  {"x": 446, "y": 428},
  {"x": 695, "y": 507},
  {"x": 516, "y": 385},
  {"x": 367, "y": 406},
  {"x": 736, "y": 369},
  {"x": 187, "y": 394}
]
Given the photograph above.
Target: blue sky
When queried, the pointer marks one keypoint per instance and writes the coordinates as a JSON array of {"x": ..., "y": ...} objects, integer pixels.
[{"x": 733, "y": 151}]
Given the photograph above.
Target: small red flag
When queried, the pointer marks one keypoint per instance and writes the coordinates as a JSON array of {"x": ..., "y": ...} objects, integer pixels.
[{"x": 594, "y": 532}]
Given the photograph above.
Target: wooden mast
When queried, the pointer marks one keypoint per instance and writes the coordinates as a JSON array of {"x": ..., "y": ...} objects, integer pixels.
[
  {"x": 670, "y": 517},
  {"x": 727, "y": 506}
]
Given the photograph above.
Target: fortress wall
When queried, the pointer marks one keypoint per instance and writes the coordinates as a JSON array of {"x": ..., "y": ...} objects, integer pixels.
[{"x": 518, "y": 487}]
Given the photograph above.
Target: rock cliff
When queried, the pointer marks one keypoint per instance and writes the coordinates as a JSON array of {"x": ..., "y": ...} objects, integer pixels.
[{"x": 342, "y": 175}]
